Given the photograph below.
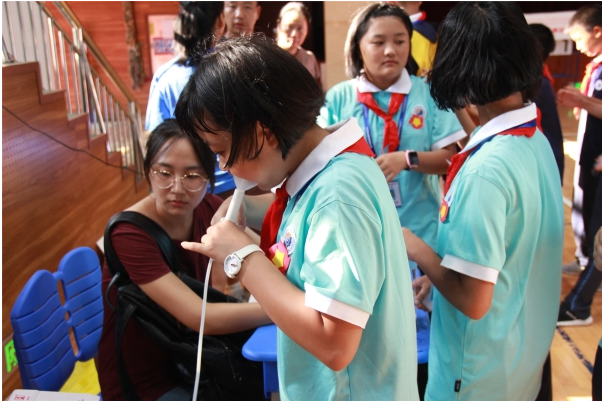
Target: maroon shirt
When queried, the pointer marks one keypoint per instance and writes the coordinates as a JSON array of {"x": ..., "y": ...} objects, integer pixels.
[{"x": 149, "y": 368}]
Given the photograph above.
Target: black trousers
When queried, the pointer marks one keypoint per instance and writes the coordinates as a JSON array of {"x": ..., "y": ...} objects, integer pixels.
[{"x": 579, "y": 300}]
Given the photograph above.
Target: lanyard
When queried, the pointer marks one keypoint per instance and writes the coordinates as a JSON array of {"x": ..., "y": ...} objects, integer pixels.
[{"x": 368, "y": 136}]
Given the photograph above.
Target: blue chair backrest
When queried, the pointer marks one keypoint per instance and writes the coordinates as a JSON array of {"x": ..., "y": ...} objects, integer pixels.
[
  {"x": 80, "y": 274},
  {"x": 42, "y": 325}
]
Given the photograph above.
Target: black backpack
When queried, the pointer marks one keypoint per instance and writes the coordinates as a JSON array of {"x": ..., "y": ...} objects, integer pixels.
[{"x": 225, "y": 374}]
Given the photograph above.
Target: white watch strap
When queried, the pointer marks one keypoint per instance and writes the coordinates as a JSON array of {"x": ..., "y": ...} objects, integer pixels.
[{"x": 249, "y": 249}]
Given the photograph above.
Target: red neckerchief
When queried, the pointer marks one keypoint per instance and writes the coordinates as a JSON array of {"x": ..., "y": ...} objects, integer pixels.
[
  {"x": 390, "y": 134},
  {"x": 547, "y": 74},
  {"x": 585, "y": 86},
  {"x": 459, "y": 159},
  {"x": 274, "y": 215}
]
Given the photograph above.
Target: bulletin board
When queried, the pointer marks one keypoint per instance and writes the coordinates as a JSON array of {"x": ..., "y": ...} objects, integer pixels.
[
  {"x": 161, "y": 39},
  {"x": 556, "y": 22}
]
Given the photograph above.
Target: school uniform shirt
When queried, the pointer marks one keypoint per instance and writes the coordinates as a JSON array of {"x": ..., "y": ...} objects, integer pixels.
[
  {"x": 504, "y": 226},
  {"x": 347, "y": 254},
  {"x": 424, "y": 128},
  {"x": 167, "y": 85}
]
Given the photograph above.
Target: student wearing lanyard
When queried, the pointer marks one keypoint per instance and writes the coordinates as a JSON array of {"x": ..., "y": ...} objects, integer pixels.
[
  {"x": 412, "y": 138},
  {"x": 497, "y": 264}
]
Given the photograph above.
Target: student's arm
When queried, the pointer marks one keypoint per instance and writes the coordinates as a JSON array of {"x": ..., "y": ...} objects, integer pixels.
[
  {"x": 332, "y": 341},
  {"x": 177, "y": 299},
  {"x": 469, "y": 295},
  {"x": 431, "y": 162},
  {"x": 572, "y": 97}
]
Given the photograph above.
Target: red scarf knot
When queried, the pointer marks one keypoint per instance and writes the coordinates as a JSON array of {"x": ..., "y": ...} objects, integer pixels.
[{"x": 391, "y": 141}]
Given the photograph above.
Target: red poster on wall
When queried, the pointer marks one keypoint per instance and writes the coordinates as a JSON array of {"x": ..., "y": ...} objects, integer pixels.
[{"x": 161, "y": 37}]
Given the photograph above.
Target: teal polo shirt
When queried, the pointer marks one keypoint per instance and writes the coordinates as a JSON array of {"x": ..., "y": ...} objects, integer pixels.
[
  {"x": 424, "y": 128},
  {"x": 348, "y": 255},
  {"x": 505, "y": 226}
]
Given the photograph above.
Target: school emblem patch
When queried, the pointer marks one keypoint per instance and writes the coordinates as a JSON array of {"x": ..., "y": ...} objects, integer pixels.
[
  {"x": 444, "y": 210},
  {"x": 289, "y": 240},
  {"x": 418, "y": 117},
  {"x": 279, "y": 257}
]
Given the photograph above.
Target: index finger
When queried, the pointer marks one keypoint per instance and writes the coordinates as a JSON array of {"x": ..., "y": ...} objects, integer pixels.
[{"x": 194, "y": 246}]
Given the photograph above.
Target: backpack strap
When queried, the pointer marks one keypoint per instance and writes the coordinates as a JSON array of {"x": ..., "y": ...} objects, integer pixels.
[
  {"x": 121, "y": 277},
  {"x": 157, "y": 232}
]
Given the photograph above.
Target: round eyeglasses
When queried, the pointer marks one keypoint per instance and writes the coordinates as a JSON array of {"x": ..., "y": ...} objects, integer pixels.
[{"x": 192, "y": 182}]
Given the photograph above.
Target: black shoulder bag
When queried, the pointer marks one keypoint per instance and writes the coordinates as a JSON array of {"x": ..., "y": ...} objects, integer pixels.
[{"x": 225, "y": 373}]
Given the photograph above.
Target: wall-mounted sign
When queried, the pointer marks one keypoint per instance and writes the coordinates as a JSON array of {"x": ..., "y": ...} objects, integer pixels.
[
  {"x": 556, "y": 22},
  {"x": 161, "y": 38}
]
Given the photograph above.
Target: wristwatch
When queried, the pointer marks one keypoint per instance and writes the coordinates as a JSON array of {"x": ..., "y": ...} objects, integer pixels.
[
  {"x": 412, "y": 160},
  {"x": 233, "y": 262}
]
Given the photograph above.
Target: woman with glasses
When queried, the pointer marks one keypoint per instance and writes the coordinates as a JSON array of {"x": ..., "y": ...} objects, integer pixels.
[{"x": 180, "y": 170}]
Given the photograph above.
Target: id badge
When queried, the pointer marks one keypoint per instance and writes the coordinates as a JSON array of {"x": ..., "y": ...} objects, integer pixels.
[{"x": 394, "y": 190}]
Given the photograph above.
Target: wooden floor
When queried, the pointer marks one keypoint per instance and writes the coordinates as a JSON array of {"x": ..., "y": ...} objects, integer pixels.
[{"x": 573, "y": 348}]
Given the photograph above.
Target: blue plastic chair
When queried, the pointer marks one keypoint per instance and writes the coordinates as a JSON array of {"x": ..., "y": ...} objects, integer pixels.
[{"x": 45, "y": 329}]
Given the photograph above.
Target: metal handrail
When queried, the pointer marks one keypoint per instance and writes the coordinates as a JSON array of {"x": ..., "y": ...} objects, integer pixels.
[
  {"x": 69, "y": 15},
  {"x": 64, "y": 66}
]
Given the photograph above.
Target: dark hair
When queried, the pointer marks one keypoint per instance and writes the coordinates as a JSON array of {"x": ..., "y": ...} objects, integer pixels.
[
  {"x": 486, "y": 52},
  {"x": 194, "y": 27},
  {"x": 545, "y": 38},
  {"x": 588, "y": 16},
  {"x": 168, "y": 132},
  {"x": 248, "y": 80},
  {"x": 358, "y": 28}
]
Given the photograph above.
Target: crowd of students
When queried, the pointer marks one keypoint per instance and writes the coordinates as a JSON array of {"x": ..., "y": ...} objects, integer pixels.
[{"x": 352, "y": 195}]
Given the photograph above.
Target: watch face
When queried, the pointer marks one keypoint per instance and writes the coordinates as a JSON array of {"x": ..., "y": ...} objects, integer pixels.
[
  {"x": 232, "y": 265},
  {"x": 414, "y": 158}
]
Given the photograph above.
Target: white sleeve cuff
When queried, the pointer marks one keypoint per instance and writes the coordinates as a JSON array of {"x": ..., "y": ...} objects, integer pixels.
[
  {"x": 338, "y": 309},
  {"x": 450, "y": 139},
  {"x": 470, "y": 269}
]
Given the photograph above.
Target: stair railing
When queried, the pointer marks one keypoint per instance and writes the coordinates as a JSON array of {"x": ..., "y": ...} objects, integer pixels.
[{"x": 30, "y": 32}]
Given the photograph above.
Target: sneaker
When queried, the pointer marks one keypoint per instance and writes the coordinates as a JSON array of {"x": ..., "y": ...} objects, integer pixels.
[
  {"x": 572, "y": 268},
  {"x": 567, "y": 318}
]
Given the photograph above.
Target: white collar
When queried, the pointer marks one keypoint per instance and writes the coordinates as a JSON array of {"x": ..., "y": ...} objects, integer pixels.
[
  {"x": 343, "y": 135},
  {"x": 402, "y": 85},
  {"x": 415, "y": 17},
  {"x": 502, "y": 123}
]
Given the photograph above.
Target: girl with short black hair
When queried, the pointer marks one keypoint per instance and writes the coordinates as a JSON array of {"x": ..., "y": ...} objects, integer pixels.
[
  {"x": 333, "y": 277},
  {"x": 497, "y": 270}
]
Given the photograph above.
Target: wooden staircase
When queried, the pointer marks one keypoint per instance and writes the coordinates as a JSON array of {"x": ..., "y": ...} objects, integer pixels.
[{"x": 58, "y": 190}]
